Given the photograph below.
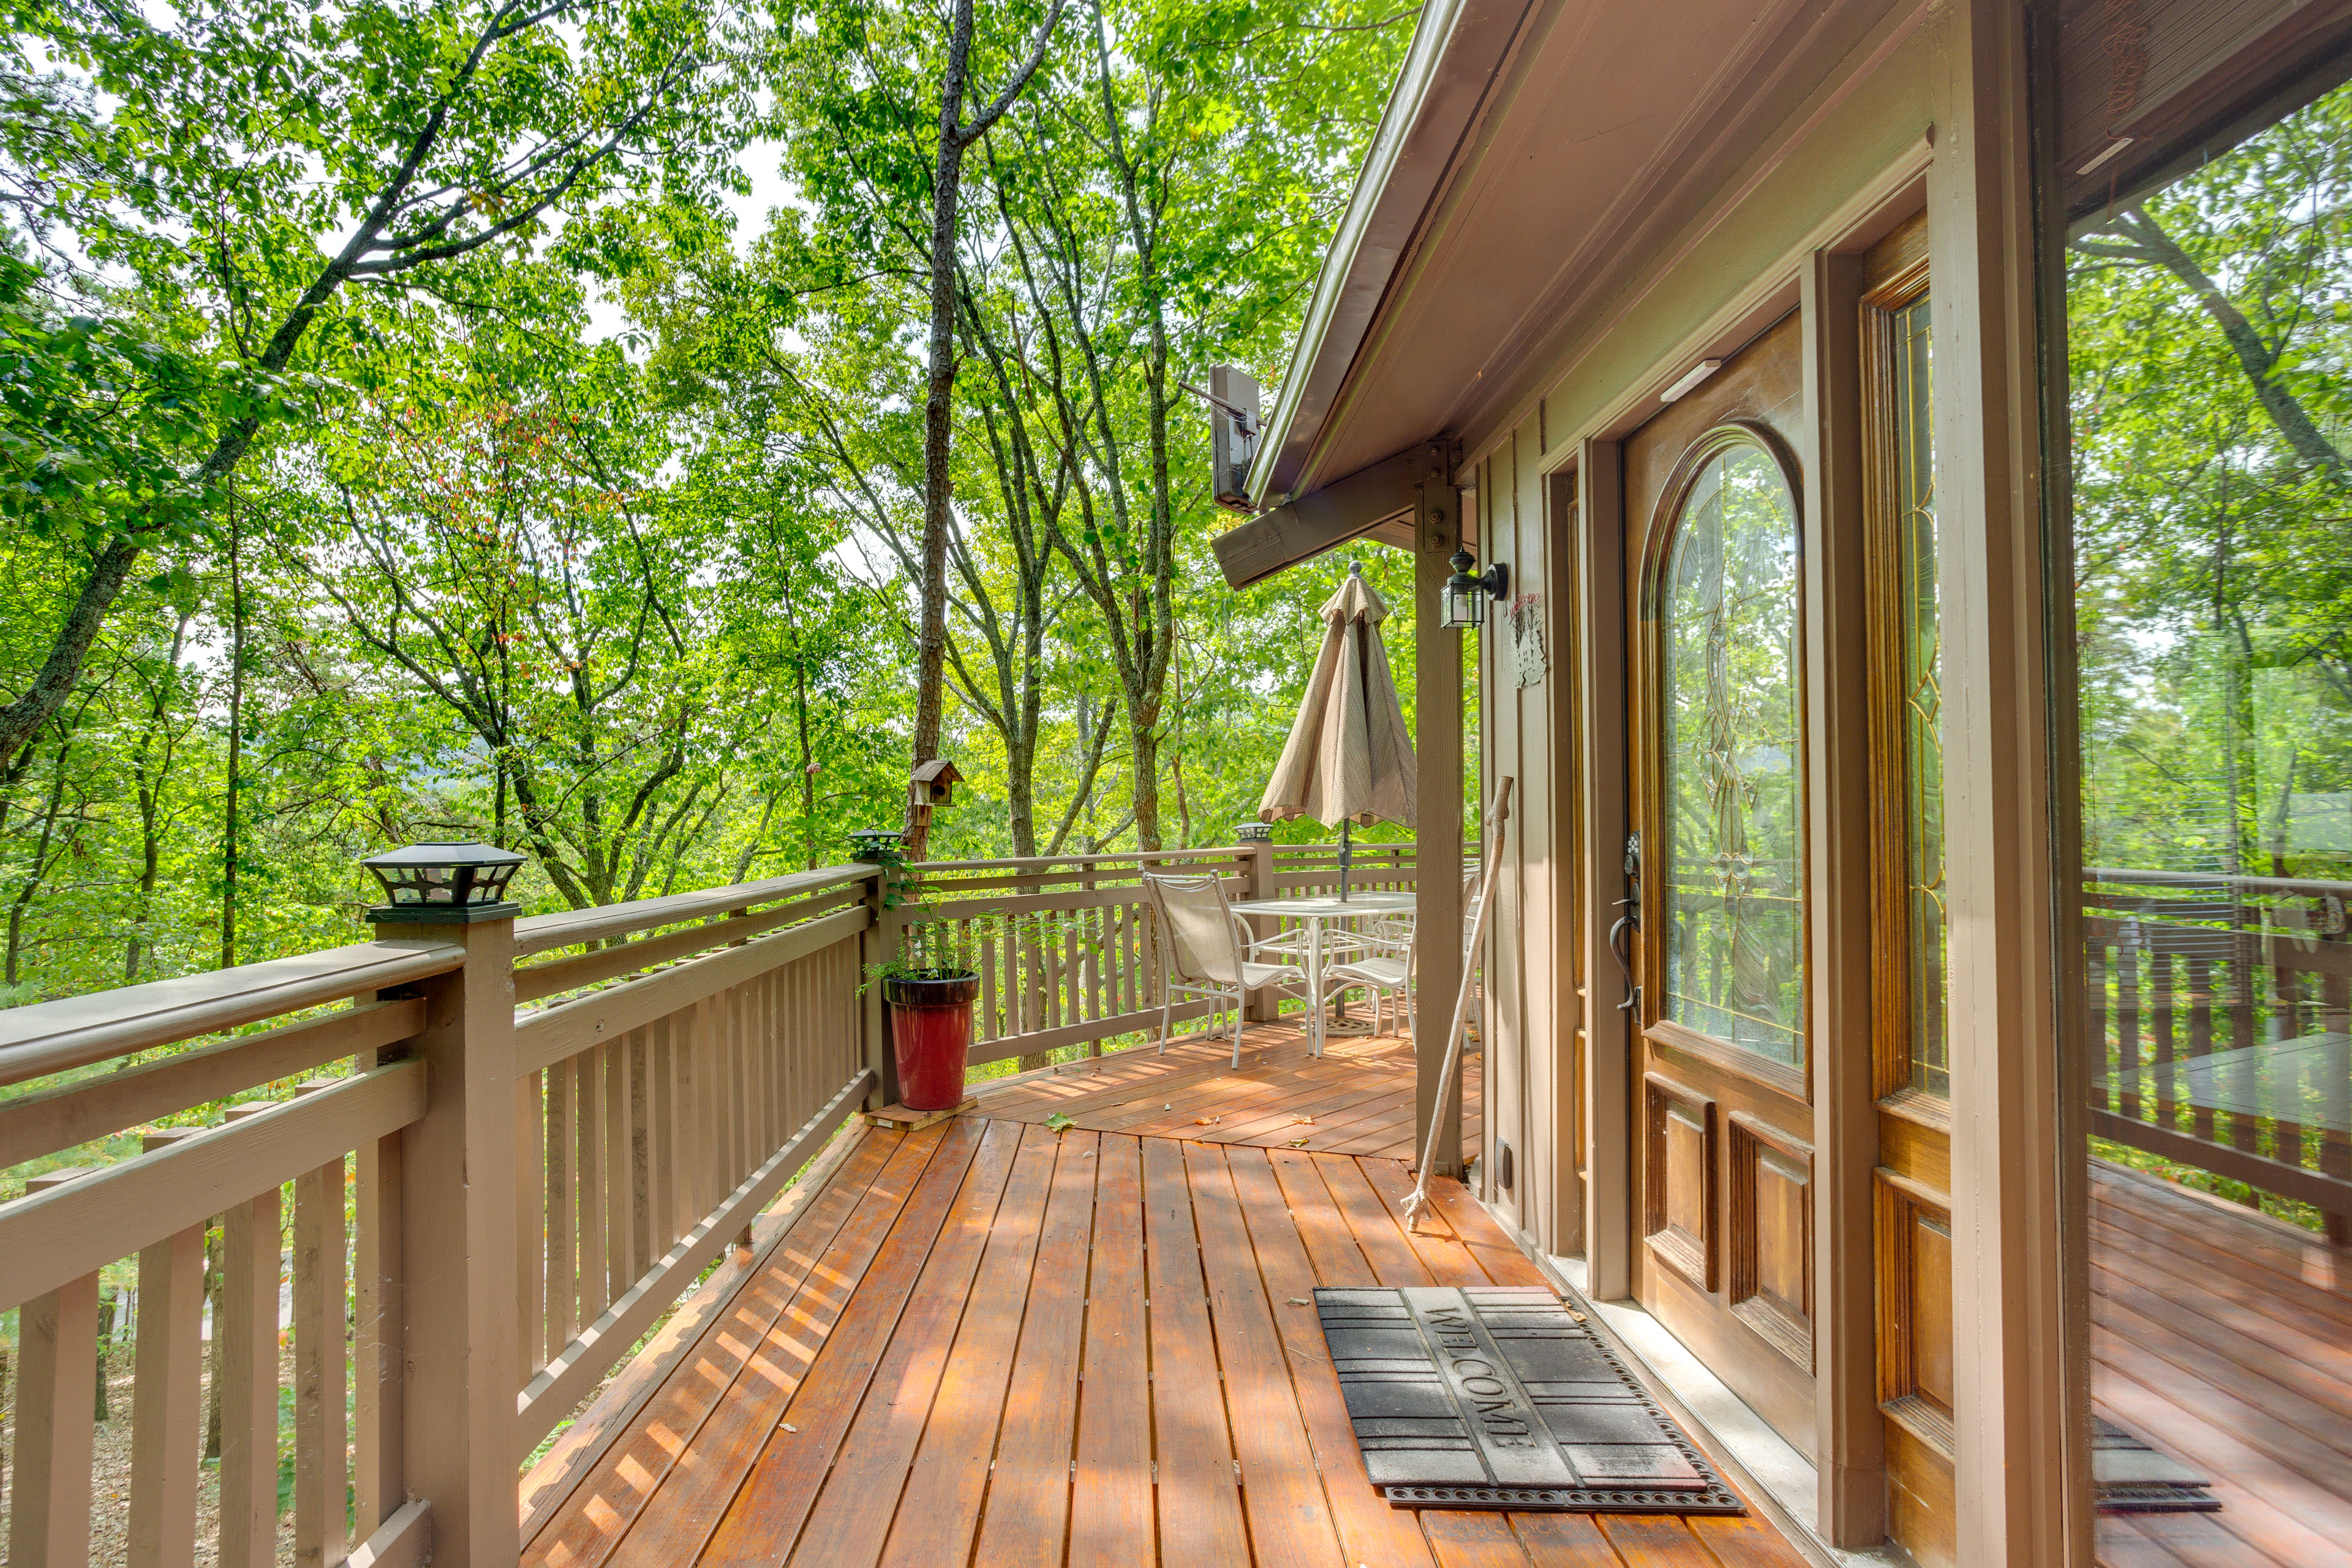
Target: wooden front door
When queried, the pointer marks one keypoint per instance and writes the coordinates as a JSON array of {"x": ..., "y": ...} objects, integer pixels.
[{"x": 1723, "y": 1161}]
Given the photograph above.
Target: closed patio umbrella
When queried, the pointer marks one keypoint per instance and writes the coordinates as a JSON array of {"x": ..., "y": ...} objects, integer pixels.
[{"x": 1350, "y": 758}]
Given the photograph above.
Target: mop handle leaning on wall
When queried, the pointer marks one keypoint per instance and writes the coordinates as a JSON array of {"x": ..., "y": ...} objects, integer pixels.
[{"x": 1490, "y": 854}]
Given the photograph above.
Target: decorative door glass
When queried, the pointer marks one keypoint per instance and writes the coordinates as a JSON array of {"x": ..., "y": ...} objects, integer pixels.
[
  {"x": 1921, "y": 652},
  {"x": 1732, "y": 823}
]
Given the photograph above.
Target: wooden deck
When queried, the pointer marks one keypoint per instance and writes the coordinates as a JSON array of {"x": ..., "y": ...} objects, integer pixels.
[
  {"x": 986, "y": 1343},
  {"x": 2225, "y": 1339},
  {"x": 1357, "y": 1098}
]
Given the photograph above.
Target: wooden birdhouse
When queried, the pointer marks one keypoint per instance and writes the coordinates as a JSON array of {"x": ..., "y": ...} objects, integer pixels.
[{"x": 934, "y": 783}]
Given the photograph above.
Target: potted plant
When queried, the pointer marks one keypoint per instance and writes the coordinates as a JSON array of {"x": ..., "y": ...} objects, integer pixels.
[{"x": 929, "y": 985}]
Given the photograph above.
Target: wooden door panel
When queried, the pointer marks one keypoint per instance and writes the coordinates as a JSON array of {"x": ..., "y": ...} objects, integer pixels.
[
  {"x": 1915, "y": 1309},
  {"x": 1723, "y": 1186},
  {"x": 1770, "y": 1233},
  {"x": 1679, "y": 1221}
]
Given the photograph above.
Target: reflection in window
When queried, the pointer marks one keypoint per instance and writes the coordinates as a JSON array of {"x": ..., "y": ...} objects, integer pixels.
[
  {"x": 1732, "y": 836},
  {"x": 1921, "y": 653},
  {"x": 2208, "y": 329}
]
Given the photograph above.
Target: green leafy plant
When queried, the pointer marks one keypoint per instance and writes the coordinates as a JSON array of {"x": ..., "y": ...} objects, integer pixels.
[{"x": 940, "y": 950}]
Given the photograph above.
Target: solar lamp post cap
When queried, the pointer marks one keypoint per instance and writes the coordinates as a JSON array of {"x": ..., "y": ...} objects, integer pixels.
[{"x": 443, "y": 882}]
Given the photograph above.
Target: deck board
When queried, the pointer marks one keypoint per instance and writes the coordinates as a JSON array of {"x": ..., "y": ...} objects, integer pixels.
[
  {"x": 1029, "y": 1493},
  {"x": 1360, "y": 1093},
  {"x": 2221, "y": 1338},
  {"x": 1111, "y": 1518},
  {"x": 975, "y": 1344}
]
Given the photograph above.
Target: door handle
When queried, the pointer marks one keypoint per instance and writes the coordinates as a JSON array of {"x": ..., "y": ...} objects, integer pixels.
[{"x": 1619, "y": 949}]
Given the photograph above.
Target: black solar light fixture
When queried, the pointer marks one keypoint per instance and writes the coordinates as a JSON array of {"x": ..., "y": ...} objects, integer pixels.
[
  {"x": 1465, "y": 606},
  {"x": 441, "y": 883},
  {"x": 873, "y": 846}
]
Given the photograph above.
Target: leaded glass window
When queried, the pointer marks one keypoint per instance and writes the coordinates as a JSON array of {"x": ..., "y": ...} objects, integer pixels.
[
  {"x": 1733, "y": 835},
  {"x": 1921, "y": 652}
]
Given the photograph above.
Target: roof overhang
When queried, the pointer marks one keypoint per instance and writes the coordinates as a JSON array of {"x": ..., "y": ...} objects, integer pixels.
[
  {"x": 1538, "y": 160},
  {"x": 1457, "y": 54}
]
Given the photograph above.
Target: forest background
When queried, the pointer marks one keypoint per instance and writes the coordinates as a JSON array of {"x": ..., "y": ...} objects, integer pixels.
[{"x": 428, "y": 421}]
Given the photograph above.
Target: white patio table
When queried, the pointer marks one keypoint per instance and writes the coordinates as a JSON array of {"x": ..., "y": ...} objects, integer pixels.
[{"x": 1315, "y": 914}]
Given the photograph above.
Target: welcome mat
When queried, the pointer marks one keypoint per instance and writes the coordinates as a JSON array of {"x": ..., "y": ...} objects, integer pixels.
[
  {"x": 2132, "y": 1478},
  {"x": 1500, "y": 1398}
]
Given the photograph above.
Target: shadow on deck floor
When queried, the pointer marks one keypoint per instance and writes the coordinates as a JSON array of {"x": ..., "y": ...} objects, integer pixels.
[
  {"x": 984, "y": 1343},
  {"x": 1357, "y": 1098}
]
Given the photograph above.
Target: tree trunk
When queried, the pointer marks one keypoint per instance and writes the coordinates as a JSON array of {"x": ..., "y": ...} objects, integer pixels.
[
  {"x": 37, "y": 870},
  {"x": 931, "y": 633},
  {"x": 214, "y": 1281},
  {"x": 235, "y": 743}
]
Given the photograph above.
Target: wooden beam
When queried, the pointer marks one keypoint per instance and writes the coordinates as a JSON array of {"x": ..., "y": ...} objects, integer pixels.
[
  {"x": 1853, "y": 1470},
  {"x": 405, "y": 1539},
  {"x": 2022, "y": 1405},
  {"x": 1601, "y": 672},
  {"x": 75, "y": 1031},
  {"x": 458, "y": 1269},
  {"x": 1437, "y": 811},
  {"x": 548, "y": 1036},
  {"x": 2329, "y": 1195},
  {"x": 1324, "y": 519},
  {"x": 569, "y": 927},
  {"x": 47, "y": 1238},
  {"x": 57, "y": 1119}
]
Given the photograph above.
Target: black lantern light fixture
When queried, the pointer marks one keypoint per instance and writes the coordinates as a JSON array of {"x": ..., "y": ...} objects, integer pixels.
[
  {"x": 444, "y": 883},
  {"x": 1464, "y": 608}
]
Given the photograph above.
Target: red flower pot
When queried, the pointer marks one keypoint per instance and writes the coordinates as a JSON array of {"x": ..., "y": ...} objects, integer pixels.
[{"x": 931, "y": 1032}]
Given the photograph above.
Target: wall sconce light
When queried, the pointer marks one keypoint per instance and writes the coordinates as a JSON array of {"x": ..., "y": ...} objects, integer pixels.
[{"x": 1465, "y": 607}]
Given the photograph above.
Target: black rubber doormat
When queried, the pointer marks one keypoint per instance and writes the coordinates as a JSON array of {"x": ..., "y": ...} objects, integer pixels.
[
  {"x": 1499, "y": 1398},
  {"x": 2132, "y": 1478}
]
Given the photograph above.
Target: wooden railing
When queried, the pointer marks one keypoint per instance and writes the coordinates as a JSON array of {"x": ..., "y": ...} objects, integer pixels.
[
  {"x": 1065, "y": 946},
  {"x": 488, "y": 1206},
  {"x": 484, "y": 1160},
  {"x": 2221, "y": 1019}
]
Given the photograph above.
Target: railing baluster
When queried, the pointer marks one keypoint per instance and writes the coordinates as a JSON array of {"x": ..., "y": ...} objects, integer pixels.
[
  {"x": 2200, "y": 1035},
  {"x": 641, "y": 1151},
  {"x": 2245, "y": 1130},
  {"x": 166, "y": 1397},
  {"x": 2126, "y": 959},
  {"x": 2164, "y": 997},
  {"x": 248, "y": 1463},
  {"x": 530, "y": 1218},
  {"x": 2336, "y": 1095},
  {"x": 589, "y": 1167},
  {"x": 57, "y": 1359},
  {"x": 614, "y": 1179},
  {"x": 378, "y": 1353},
  {"x": 563, "y": 1316},
  {"x": 321, "y": 1445}
]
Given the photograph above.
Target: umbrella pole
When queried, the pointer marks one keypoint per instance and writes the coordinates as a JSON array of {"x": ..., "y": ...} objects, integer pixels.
[{"x": 1347, "y": 853}]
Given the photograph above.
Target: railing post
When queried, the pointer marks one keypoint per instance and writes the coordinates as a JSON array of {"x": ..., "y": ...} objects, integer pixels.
[
  {"x": 447, "y": 1254},
  {"x": 1256, "y": 865},
  {"x": 877, "y": 944}
]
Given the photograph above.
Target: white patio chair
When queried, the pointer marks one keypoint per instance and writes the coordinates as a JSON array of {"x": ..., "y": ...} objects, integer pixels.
[
  {"x": 1385, "y": 970},
  {"x": 1209, "y": 952}
]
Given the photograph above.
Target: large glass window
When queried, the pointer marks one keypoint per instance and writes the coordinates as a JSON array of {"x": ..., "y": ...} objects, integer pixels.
[
  {"x": 2210, "y": 341},
  {"x": 1733, "y": 814}
]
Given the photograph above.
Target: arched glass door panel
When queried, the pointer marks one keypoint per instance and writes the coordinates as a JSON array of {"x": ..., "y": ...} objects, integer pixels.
[{"x": 1732, "y": 827}]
